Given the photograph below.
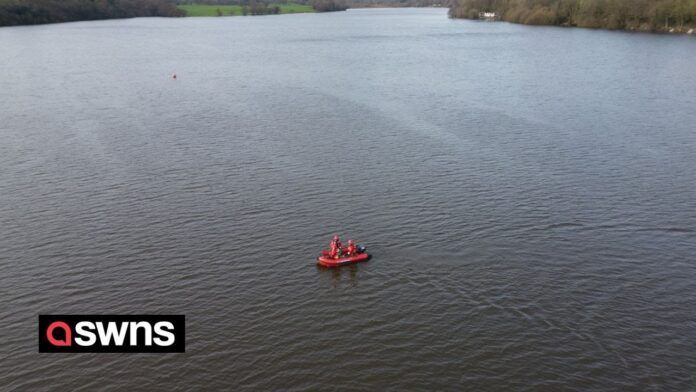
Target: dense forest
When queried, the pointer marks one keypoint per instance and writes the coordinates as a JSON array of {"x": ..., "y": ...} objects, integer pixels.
[
  {"x": 22, "y": 12},
  {"x": 645, "y": 15}
]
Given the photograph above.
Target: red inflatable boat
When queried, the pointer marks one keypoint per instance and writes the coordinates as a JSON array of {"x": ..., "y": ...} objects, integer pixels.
[{"x": 327, "y": 261}]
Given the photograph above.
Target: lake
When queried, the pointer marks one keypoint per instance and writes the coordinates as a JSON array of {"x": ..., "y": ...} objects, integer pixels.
[{"x": 528, "y": 195}]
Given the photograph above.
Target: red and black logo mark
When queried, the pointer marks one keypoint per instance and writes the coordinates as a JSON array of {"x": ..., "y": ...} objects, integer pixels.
[{"x": 112, "y": 334}]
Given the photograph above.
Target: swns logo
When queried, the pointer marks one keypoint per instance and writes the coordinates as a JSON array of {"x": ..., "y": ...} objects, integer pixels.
[{"x": 111, "y": 333}]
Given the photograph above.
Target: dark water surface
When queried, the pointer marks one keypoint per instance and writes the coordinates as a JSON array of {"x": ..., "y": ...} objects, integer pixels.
[{"x": 529, "y": 195}]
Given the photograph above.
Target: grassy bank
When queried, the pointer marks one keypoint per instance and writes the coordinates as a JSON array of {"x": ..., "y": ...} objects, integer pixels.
[{"x": 226, "y": 10}]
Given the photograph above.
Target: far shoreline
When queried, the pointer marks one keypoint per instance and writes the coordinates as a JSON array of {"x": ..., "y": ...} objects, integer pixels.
[
  {"x": 39, "y": 12},
  {"x": 669, "y": 18},
  {"x": 214, "y": 10},
  {"x": 626, "y": 31}
]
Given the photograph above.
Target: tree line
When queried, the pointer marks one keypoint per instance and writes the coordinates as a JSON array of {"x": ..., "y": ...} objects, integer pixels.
[
  {"x": 395, "y": 3},
  {"x": 261, "y": 6},
  {"x": 328, "y": 5},
  {"x": 22, "y": 12},
  {"x": 647, "y": 15}
]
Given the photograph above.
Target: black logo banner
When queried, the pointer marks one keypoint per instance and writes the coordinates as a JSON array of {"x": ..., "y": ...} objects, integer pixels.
[{"x": 71, "y": 333}]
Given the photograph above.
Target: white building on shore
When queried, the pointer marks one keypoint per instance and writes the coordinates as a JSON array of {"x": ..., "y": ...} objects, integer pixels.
[{"x": 488, "y": 15}]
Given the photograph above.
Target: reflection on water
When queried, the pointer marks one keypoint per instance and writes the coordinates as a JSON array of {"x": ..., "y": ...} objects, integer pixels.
[{"x": 343, "y": 276}]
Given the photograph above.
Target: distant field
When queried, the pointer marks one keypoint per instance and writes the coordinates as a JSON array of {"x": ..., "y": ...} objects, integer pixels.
[{"x": 212, "y": 10}]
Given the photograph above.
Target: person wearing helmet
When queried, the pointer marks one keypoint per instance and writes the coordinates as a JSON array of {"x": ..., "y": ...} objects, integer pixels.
[
  {"x": 335, "y": 247},
  {"x": 351, "y": 248}
]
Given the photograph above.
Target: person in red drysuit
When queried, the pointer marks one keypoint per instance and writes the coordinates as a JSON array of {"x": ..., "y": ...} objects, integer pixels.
[
  {"x": 335, "y": 247},
  {"x": 351, "y": 248}
]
